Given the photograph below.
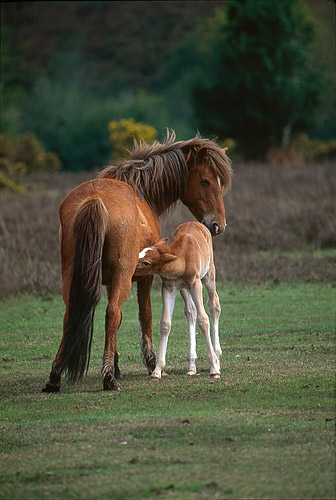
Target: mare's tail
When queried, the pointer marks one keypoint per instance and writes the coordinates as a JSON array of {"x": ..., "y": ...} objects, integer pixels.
[{"x": 90, "y": 226}]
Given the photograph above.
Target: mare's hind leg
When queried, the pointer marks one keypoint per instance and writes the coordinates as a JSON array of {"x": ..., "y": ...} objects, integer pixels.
[
  {"x": 145, "y": 318},
  {"x": 53, "y": 384},
  {"x": 117, "y": 294}
]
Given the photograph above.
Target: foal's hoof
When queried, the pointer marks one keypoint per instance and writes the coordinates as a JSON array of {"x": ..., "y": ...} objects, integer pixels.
[
  {"x": 51, "y": 388},
  {"x": 215, "y": 376},
  {"x": 191, "y": 372}
]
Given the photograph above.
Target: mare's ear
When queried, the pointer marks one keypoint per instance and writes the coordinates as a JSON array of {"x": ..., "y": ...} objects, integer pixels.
[
  {"x": 202, "y": 154},
  {"x": 167, "y": 257},
  {"x": 224, "y": 150}
]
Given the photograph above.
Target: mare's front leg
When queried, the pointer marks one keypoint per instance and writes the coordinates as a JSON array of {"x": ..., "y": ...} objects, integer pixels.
[
  {"x": 168, "y": 301},
  {"x": 117, "y": 294},
  {"x": 214, "y": 307},
  {"x": 204, "y": 324},
  {"x": 145, "y": 318},
  {"x": 191, "y": 315}
]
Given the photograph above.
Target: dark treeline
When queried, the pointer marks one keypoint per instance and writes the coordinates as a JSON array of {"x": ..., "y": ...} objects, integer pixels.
[
  {"x": 69, "y": 68},
  {"x": 125, "y": 42}
]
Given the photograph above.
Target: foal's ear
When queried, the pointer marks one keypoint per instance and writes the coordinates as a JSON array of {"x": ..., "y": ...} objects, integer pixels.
[
  {"x": 164, "y": 241},
  {"x": 167, "y": 257}
]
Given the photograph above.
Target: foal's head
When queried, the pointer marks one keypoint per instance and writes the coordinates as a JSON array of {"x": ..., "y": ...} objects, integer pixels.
[
  {"x": 152, "y": 260},
  {"x": 209, "y": 179}
]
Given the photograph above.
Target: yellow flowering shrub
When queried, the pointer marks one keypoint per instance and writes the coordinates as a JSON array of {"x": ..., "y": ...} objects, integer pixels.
[
  {"x": 314, "y": 150},
  {"x": 123, "y": 132},
  {"x": 21, "y": 156}
]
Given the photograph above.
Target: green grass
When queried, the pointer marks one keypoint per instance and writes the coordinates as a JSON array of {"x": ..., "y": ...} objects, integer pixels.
[{"x": 265, "y": 430}]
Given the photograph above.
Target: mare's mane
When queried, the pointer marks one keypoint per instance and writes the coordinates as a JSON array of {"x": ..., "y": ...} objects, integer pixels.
[{"x": 158, "y": 173}]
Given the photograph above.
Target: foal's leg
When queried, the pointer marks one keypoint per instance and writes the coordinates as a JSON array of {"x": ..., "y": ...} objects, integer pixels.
[
  {"x": 214, "y": 307},
  {"x": 191, "y": 315},
  {"x": 145, "y": 318},
  {"x": 168, "y": 301},
  {"x": 204, "y": 324},
  {"x": 117, "y": 294}
]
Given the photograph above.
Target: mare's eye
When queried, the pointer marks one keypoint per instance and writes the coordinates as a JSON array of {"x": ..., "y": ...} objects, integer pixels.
[{"x": 205, "y": 181}]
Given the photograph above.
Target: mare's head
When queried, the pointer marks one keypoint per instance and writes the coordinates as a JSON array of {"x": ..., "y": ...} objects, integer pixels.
[
  {"x": 209, "y": 178},
  {"x": 152, "y": 260},
  {"x": 197, "y": 171}
]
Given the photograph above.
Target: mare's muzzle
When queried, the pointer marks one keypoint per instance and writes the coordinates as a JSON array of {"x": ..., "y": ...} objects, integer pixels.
[{"x": 213, "y": 226}]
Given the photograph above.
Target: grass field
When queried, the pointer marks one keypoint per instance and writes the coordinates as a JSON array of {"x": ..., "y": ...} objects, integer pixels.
[{"x": 265, "y": 430}]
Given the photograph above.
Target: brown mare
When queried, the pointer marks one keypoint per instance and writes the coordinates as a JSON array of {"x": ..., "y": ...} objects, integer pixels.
[{"x": 106, "y": 222}]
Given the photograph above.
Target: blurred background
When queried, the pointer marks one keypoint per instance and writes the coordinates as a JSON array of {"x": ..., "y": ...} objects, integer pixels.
[{"x": 80, "y": 79}]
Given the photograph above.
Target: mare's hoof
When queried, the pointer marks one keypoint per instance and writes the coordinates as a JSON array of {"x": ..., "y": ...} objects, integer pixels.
[
  {"x": 215, "y": 376},
  {"x": 51, "y": 388},
  {"x": 110, "y": 384},
  {"x": 164, "y": 374},
  {"x": 154, "y": 379},
  {"x": 191, "y": 372},
  {"x": 117, "y": 373}
]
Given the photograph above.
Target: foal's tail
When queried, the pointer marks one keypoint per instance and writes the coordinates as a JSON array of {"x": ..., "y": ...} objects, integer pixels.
[{"x": 89, "y": 227}]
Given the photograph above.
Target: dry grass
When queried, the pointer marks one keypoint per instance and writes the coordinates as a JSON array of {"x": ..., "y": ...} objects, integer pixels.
[{"x": 281, "y": 227}]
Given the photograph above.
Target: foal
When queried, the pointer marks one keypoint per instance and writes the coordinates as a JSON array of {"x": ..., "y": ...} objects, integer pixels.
[{"x": 185, "y": 265}]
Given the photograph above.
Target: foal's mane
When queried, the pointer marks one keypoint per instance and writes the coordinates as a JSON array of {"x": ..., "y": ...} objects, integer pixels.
[{"x": 158, "y": 173}]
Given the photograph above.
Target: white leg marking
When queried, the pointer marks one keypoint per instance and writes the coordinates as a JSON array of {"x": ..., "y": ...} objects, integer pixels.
[
  {"x": 204, "y": 324},
  {"x": 214, "y": 307},
  {"x": 191, "y": 315},
  {"x": 168, "y": 301}
]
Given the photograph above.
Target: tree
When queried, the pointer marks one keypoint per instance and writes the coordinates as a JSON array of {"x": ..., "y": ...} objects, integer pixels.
[{"x": 265, "y": 84}]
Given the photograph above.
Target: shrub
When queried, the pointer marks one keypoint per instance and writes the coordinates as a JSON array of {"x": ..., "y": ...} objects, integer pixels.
[
  {"x": 123, "y": 132},
  {"x": 21, "y": 156},
  {"x": 9, "y": 183},
  {"x": 315, "y": 150},
  {"x": 303, "y": 150}
]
